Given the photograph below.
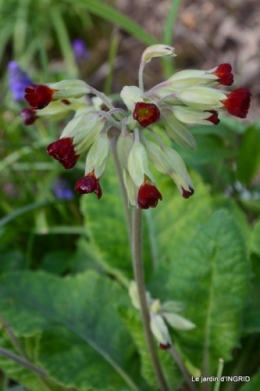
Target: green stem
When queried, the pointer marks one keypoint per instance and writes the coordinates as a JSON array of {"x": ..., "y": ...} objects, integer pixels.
[
  {"x": 178, "y": 360},
  {"x": 122, "y": 187},
  {"x": 219, "y": 373},
  {"x": 139, "y": 279}
]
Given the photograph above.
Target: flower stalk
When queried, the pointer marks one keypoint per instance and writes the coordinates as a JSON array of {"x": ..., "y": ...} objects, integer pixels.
[{"x": 139, "y": 279}]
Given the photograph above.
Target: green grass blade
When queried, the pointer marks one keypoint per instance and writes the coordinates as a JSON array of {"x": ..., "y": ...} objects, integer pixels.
[{"x": 108, "y": 13}]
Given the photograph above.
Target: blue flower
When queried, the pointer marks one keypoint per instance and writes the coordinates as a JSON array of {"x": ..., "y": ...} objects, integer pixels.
[
  {"x": 80, "y": 50},
  {"x": 18, "y": 80},
  {"x": 62, "y": 190}
]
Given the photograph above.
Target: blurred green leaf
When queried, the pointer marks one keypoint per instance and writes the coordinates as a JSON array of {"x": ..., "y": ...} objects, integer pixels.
[
  {"x": 253, "y": 384},
  {"x": 248, "y": 162},
  {"x": 56, "y": 262},
  {"x": 255, "y": 238},
  {"x": 82, "y": 333},
  {"x": 252, "y": 313}
]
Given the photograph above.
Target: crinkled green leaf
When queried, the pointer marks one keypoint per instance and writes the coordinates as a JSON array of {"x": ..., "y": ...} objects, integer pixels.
[
  {"x": 82, "y": 333},
  {"x": 211, "y": 276}
]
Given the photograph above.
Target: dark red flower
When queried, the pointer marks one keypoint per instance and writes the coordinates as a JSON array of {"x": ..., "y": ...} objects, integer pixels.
[
  {"x": 224, "y": 74},
  {"x": 38, "y": 95},
  {"x": 187, "y": 193},
  {"x": 89, "y": 184},
  {"x": 165, "y": 346},
  {"x": 29, "y": 116},
  {"x": 146, "y": 113},
  {"x": 63, "y": 151},
  {"x": 238, "y": 102},
  {"x": 213, "y": 117},
  {"x": 148, "y": 196}
]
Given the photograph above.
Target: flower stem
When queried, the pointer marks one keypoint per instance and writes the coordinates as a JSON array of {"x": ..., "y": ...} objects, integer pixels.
[
  {"x": 182, "y": 368},
  {"x": 219, "y": 374},
  {"x": 139, "y": 279}
]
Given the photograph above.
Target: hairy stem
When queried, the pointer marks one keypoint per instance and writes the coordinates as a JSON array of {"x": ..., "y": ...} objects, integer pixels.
[
  {"x": 139, "y": 279},
  {"x": 182, "y": 368},
  {"x": 23, "y": 362}
]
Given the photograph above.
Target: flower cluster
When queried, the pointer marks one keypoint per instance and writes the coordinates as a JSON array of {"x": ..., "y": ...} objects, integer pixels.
[
  {"x": 161, "y": 315},
  {"x": 188, "y": 97}
]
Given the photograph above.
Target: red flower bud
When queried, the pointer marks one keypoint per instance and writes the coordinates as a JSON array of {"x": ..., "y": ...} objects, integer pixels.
[
  {"x": 238, "y": 102},
  {"x": 164, "y": 346},
  {"x": 148, "y": 196},
  {"x": 89, "y": 184},
  {"x": 29, "y": 116},
  {"x": 146, "y": 113},
  {"x": 213, "y": 117},
  {"x": 38, "y": 95},
  {"x": 187, "y": 193},
  {"x": 224, "y": 74},
  {"x": 63, "y": 151}
]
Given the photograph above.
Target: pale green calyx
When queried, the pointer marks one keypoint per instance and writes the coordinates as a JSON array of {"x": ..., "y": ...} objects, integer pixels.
[
  {"x": 69, "y": 89},
  {"x": 201, "y": 98},
  {"x": 159, "y": 329},
  {"x": 131, "y": 95},
  {"x": 157, "y": 51},
  {"x": 178, "y": 322},
  {"x": 124, "y": 145},
  {"x": 131, "y": 188},
  {"x": 138, "y": 164},
  {"x": 98, "y": 155},
  {"x": 189, "y": 115},
  {"x": 179, "y": 133}
]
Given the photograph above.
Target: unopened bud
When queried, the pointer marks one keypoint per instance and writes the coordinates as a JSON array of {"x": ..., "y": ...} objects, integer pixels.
[
  {"x": 157, "y": 51},
  {"x": 98, "y": 156},
  {"x": 66, "y": 89},
  {"x": 178, "y": 322}
]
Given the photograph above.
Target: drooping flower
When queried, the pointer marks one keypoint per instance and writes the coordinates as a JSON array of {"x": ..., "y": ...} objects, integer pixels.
[
  {"x": 146, "y": 113},
  {"x": 148, "y": 196},
  {"x": 29, "y": 116},
  {"x": 89, "y": 184},
  {"x": 237, "y": 102},
  {"x": 224, "y": 74},
  {"x": 38, "y": 95},
  {"x": 18, "y": 80},
  {"x": 63, "y": 151}
]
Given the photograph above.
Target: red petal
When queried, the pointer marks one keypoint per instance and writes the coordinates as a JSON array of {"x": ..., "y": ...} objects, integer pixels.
[
  {"x": 38, "y": 95},
  {"x": 213, "y": 117},
  {"x": 148, "y": 196},
  {"x": 238, "y": 102},
  {"x": 223, "y": 72},
  {"x": 63, "y": 151},
  {"x": 187, "y": 193},
  {"x": 29, "y": 116},
  {"x": 89, "y": 184},
  {"x": 164, "y": 346},
  {"x": 146, "y": 113}
]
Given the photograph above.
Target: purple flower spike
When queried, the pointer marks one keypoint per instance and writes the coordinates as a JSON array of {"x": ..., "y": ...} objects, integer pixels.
[
  {"x": 80, "y": 50},
  {"x": 18, "y": 80}
]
